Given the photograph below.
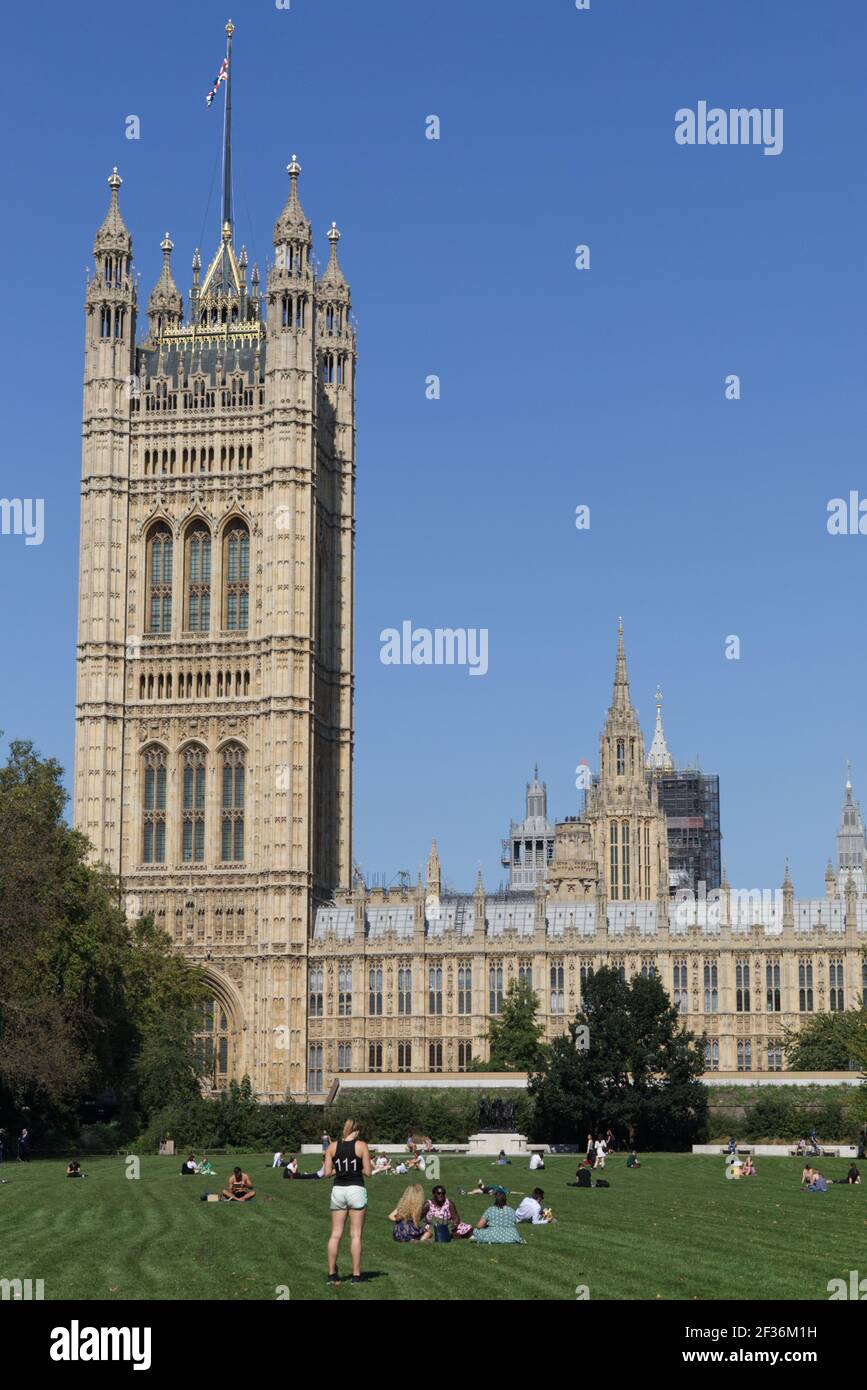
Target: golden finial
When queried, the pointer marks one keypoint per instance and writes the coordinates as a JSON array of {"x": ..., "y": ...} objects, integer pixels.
[{"x": 230, "y": 28}]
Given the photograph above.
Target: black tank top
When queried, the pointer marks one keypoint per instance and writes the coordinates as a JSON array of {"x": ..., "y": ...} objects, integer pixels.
[{"x": 348, "y": 1170}]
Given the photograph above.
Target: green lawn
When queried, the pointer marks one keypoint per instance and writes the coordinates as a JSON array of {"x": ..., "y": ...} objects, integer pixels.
[{"x": 677, "y": 1229}]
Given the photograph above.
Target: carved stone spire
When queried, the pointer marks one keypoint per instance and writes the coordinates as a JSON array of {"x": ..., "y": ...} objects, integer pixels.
[
  {"x": 165, "y": 305},
  {"x": 659, "y": 756}
]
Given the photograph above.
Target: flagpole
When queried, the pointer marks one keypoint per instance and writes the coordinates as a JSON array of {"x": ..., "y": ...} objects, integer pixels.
[{"x": 227, "y": 133}]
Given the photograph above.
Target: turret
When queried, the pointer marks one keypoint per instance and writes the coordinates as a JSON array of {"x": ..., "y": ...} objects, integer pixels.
[
  {"x": 659, "y": 757},
  {"x": 165, "y": 305},
  {"x": 111, "y": 296},
  {"x": 290, "y": 279}
]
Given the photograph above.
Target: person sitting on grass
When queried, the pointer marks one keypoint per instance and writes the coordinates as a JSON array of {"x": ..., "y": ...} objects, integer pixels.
[
  {"x": 537, "y": 1162},
  {"x": 406, "y": 1164},
  {"x": 381, "y": 1164},
  {"x": 632, "y": 1160},
  {"x": 583, "y": 1175},
  {"x": 278, "y": 1159},
  {"x": 853, "y": 1176},
  {"x": 531, "y": 1209},
  {"x": 819, "y": 1182},
  {"x": 407, "y": 1217},
  {"x": 501, "y": 1159},
  {"x": 808, "y": 1174},
  {"x": 240, "y": 1188},
  {"x": 189, "y": 1166},
  {"x": 748, "y": 1168},
  {"x": 290, "y": 1167},
  {"x": 74, "y": 1169},
  {"x": 205, "y": 1167},
  {"x": 498, "y": 1225},
  {"x": 439, "y": 1209}
]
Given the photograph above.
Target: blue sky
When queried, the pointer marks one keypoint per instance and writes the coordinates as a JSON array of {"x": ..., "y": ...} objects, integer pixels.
[{"x": 559, "y": 387}]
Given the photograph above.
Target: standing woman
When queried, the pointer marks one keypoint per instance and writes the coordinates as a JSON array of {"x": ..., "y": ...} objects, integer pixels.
[{"x": 347, "y": 1160}]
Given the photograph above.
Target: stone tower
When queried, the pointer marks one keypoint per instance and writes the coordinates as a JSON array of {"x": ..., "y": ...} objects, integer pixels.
[
  {"x": 851, "y": 841},
  {"x": 629, "y": 830},
  {"x": 215, "y": 651}
]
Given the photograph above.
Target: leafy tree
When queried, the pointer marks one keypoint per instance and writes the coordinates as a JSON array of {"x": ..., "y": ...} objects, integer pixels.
[
  {"x": 515, "y": 1036},
  {"x": 639, "y": 1075},
  {"x": 829, "y": 1042},
  {"x": 89, "y": 1003}
]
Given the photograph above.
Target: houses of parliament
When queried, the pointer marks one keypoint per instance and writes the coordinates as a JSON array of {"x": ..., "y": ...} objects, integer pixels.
[{"x": 214, "y": 723}]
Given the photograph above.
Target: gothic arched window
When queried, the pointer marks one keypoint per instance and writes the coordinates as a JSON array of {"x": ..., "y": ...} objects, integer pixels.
[
  {"x": 198, "y": 574},
  {"x": 154, "y": 805},
  {"x": 232, "y": 808},
  {"x": 236, "y": 577},
  {"x": 159, "y": 578},
  {"x": 194, "y": 766}
]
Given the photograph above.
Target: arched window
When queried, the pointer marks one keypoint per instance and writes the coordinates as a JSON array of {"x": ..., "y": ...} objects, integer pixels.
[
  {"x": 159, "y": 578},
  {"x": 232, "y": 812},
  {"x": 236, "y": 569},
  {"x": 154, "y": 806},
  {"x": 198, "y": 570},
  {"x": 194, "y": 765}
]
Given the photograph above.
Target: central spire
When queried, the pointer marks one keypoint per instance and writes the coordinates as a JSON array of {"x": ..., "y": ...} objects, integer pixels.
[{"x": 620, "y": 700}]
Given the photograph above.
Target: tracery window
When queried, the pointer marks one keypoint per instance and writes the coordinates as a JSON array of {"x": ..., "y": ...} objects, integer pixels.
[
  {"x": 232, "y": 810},
  {"x": 154, "y": 805}
]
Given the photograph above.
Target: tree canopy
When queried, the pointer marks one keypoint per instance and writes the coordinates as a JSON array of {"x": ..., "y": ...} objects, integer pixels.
[
  {"x": 90, "y": 1004},
  {"x": 515, "y": 1036},
  {"x": 639, "y": 1075},
  {"x": 828, "y": 1042}
]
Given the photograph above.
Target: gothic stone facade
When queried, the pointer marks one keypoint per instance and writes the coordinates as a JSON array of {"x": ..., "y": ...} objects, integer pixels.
[
  {"x": 213, "y": 765},
  {"x": 407, "y": 981},
  {"x": 214, "y": 724}
]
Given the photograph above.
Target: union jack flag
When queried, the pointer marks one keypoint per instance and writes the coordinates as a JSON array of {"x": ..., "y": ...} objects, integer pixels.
[{"x": 222, "y": 76}]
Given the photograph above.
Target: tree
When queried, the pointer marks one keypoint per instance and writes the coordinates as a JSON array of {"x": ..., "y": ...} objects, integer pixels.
[
  {"x": 89, "y": 1003},
  {"x": 515, "y": 1037},
  {"x": 639, "y": 1075},
  {"x": 829, "y": 1042}
]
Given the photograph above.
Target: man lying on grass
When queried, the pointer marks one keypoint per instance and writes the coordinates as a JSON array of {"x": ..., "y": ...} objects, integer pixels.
[{"x": 240, "y": 1188}]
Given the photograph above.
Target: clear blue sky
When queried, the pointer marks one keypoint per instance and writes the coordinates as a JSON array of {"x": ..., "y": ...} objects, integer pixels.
[{"x": 559, "y": 387}]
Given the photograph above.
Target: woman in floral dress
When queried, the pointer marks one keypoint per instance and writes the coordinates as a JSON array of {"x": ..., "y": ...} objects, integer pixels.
[{"x": 441, "y": 1209}]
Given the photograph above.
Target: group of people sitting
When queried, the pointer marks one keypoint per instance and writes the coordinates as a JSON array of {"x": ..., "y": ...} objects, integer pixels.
[
  {"x": 190, "y": 1167},
  {"x": 382, "y": 1164},
  {"x": 814, "y": 1181},
  {"x": 415, "y": 1218}
]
